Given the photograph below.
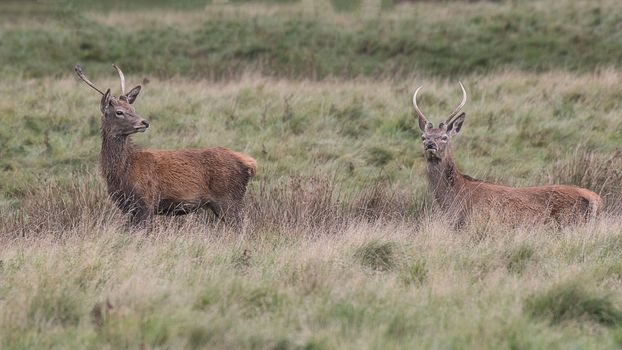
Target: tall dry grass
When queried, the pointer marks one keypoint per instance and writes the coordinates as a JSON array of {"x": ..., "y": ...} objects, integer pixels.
[
  {"x": 79, "y": 279},
  {"x": 296, "y": 204}
]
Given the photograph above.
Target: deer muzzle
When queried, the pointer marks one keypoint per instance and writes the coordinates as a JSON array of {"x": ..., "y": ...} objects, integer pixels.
[
  {"x": 142, "y": 126},
  {"x": 430, "y": 146},
  {"x": 431, "y": 151}
]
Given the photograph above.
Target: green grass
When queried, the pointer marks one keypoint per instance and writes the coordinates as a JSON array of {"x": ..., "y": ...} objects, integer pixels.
[{"x": 432, "y": 39}]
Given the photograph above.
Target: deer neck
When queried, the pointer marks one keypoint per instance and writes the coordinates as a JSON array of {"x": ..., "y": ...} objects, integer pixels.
[
  {"x": 115, "y": 159},
  {"x": 444, "y": 180}
]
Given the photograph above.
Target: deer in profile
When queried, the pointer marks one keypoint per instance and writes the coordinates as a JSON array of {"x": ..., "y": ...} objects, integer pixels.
[
  {"x": 148, "y": 182},
  {"x": 463, "y": 197}
]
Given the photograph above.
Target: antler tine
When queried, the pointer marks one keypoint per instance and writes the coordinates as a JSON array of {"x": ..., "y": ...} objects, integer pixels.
[
  {"x": 460, "y": 106},
  {"x": 417, "y": 110},
  {"x": 121, "y": 77},
  {"x": 79, "y": 72}
]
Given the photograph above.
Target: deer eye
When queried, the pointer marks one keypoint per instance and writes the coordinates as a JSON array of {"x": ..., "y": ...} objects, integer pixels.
[
  {"x": 444, "y": 138},
  {"x": 119, "y": 113}
]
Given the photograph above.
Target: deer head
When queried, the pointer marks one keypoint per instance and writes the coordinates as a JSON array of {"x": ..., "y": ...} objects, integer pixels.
[
  {"x": 436, "y": 140},
  {"x": 118, "y": 115}
]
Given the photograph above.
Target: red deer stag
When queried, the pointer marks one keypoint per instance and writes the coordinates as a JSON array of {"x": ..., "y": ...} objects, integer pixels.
[
  {"x": 463, "y": 197},
  {"x": 146, "y": 182}
]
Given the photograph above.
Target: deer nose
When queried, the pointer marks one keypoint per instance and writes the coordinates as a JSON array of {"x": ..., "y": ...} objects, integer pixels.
[
  {"x": 145, "y": 123},
  {"x": 429, "y": 145}
]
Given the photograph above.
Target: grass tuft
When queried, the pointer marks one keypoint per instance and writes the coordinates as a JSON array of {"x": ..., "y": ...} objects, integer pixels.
[
  {"x": 573, "y": 302},
  {"x": 517, "y": 259},
  {"x": 199, "y": 337},
  {"x": 415, "y": 273},
  {"x": 54, "y": 307},
  {"x": 379, "y": 156},
  {"x": 377, "y": 255}
]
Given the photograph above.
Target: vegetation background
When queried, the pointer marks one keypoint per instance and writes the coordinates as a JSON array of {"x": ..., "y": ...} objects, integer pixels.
[{"x": 341, "y": 246}]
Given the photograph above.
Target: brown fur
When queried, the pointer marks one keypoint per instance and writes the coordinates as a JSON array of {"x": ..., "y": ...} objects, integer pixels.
[
  {"x": 464, "y": 198},
  {"x": 146, "y": 182}
]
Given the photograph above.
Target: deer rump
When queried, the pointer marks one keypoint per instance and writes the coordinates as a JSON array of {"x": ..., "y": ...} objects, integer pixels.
[{"x": 184, "y": 181}]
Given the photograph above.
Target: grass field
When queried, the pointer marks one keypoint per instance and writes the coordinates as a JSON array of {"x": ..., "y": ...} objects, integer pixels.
[{"x": 341, "y": 246}]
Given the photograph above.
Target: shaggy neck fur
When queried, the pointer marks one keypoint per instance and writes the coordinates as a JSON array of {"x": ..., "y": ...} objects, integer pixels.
[
  {"x": 115, "y": 159},
  {"x": 444, "y": 179}
]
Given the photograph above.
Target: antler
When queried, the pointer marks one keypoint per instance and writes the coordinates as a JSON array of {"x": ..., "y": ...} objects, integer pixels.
[
  {"x": 121, "y": 77},
  {"x": 79, "y": 72},
  {"x": 417, "y": 110},
  {"x": 460, "y": 106}
]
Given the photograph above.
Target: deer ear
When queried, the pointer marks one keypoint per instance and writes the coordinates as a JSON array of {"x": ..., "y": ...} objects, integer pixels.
[
  {"x": 422, "y": 123},
  {"x": 456, "y": 124},
  {"x": 105, "y": 102},
  {"x": 132, "y": 95}
]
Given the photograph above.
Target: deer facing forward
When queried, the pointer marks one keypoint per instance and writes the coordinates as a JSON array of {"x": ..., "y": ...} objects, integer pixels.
[
  {"x": 464, "y": 197},
  {"x": 147, "y": 182}
]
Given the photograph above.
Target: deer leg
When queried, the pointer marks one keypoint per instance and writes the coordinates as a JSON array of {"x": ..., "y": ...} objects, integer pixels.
[
  {"x": 234, "y": 214},
  {"x": 227, "y": 211},
  {"x": 216, "y": 209},
  {"x": 141, "y": 215},
  {"x": 140, "y": 218}
]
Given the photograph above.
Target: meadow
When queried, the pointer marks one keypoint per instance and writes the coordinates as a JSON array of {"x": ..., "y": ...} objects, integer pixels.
[{"x": 341, "y": 246}]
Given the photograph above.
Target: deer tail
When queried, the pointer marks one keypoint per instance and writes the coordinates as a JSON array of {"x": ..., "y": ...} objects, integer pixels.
[
  {"x": 250, "y": 163},
  {"x": 592, "y": 205},
  {"x": 596, "y": 206}
]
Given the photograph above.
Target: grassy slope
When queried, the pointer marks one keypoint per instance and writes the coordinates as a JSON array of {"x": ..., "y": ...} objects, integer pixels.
[
  {"x": 430, "y": 38},
  {"x": 337, "y": 256}
]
